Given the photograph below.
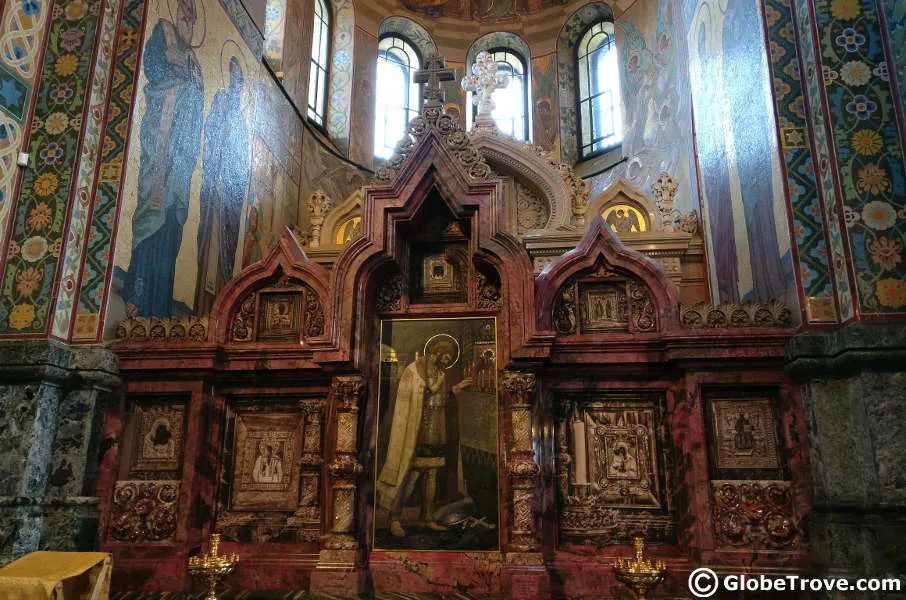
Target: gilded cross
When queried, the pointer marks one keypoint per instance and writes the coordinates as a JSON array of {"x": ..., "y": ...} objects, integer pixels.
[
  {"x": 433, "y": 73},
  {"x": 482, "y": 82}
]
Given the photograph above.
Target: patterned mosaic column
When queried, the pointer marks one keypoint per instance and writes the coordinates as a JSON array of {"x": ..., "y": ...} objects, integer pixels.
[
  {"x": 338, "y": 569},
  {"x": 308, "y": 516}
]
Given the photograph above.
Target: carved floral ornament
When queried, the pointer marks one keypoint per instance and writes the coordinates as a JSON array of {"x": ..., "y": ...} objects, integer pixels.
[
  {"x": 456, "y": 141},
  {"x": 182, "y": 330}
]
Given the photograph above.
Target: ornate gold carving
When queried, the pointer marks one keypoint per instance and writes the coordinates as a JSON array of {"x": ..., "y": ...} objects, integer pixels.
[
  {"x": 745, "y": 434},
  {"x": 346, "y": 431},
  {"x": 242, "y": 328},
  {"x": 641, "y": 307},
  {"x": 754, "y": 514},
  {"x": 564, "y": 313},
  {"x": 144, "y": 511},
  {"x": 159, "y": 439},
  {"x": 608, "y": 470},
  {"x": 213, "y": 566},
  {"x": 519, "y": 387},
  {"x": 279, "y": 316},
  {"x": 180, "y": 330},
  {"x": 267, "y": 449},
  {"x": 640, "y": 574},
  {"x": 390, "y": 294},
  {"x": 665, "y": 189},
  {"x": 487, "y": 291},
  {"x": 314, "y": 314},
  {"x": 603, "y": 307},
  {"x": 348, "y": 390},
  {"x": 729, "y": 315}
]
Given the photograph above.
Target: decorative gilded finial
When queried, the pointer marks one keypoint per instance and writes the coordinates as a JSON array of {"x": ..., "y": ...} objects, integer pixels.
[
  {"x": 639, "y": 574},
  {"x": 212, "y": 566}
]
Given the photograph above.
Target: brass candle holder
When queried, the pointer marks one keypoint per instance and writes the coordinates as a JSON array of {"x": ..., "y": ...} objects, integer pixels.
[
  {"x": 639, "y": 574},
  {"x": 213, "y": 566}
]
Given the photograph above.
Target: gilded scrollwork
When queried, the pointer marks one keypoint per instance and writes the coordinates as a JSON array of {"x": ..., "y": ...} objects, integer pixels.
[
  {"x": 144, "y": 511},
  {"x": 754, "y": 514}
]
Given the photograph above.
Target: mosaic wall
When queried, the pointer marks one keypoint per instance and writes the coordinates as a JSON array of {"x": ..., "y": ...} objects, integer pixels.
[
  {"x": 657, "y": 112},
  {"x": 809, "y": 231},
  {"x": 98, "y": 267},
  {"x": 187, "y": 178},
  {"x": 869, "y": 153},
  {"x": 36, "y": 242},
  {"x": 276, "y": 169},
  {"x": 742, "y": 186},
  {"x": 546, "y": 105},
  {"x": 361, "y": 136},
  {"x": 323, "y": 170},
  {"x": 896, "y": 30},
  {"x": 23, "y": 25}
]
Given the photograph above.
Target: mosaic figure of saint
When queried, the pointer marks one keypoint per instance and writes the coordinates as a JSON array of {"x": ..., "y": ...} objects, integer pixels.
[
  {"x": 225, "y": 167},
  {"x": 169, "y": 139}
]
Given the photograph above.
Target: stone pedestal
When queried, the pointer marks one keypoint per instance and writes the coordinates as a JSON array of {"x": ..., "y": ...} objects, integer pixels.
[
  {"x": 525, "y": 577},
  {"x": 52, "y": 405},
  {"x": 853, "y": 388}
]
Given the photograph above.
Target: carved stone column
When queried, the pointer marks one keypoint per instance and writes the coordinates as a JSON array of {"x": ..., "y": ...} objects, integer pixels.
[
  {"x": 308, "y": 516},
  {"x": 525, "y": 575},
  {"x": 339, "y": 569}
]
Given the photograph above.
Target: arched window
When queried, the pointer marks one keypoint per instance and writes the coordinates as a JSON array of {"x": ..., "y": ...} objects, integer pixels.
[
  {"x": 397, "y": 97},
  {"x": 320, "y": 51},
  {"x": 510, "y": 103},
  {"x": 598, "y": 82}
]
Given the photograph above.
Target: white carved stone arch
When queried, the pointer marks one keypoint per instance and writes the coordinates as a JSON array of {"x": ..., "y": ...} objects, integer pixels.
[
  {"x": 532, "y": 164},
  {"x": 621, "y": 191}
]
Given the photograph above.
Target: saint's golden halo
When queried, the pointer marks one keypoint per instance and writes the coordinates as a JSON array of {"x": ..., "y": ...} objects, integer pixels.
[{"x": 449, "y": 337}]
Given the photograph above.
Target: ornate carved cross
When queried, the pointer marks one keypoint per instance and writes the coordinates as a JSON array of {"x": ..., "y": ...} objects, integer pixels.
[
  {"x": 433, "y": 73},
  {"x": 482, "y": 82}
]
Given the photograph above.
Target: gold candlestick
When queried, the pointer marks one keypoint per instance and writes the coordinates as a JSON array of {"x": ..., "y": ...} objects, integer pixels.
[
  {"x": 639, "y": 573},
  {"x": 212, "y": 566}
]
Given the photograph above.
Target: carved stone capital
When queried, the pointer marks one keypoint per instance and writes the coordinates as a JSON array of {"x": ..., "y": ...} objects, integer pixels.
[
  {"x": 344, "y": 466},
  {"x": 518, "y": 388},
  {"x": 347, "y": 390},
  {"x": 311, "y": 406},
  {"x": 523, "y": 469}
]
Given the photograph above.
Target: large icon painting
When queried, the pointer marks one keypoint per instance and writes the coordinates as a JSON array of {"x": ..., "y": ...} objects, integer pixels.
[{"x": 436, "y": 472}]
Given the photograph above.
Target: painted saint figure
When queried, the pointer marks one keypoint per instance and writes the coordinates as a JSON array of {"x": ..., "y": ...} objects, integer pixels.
[
  {"x": 170, "y": 137},
  {"x": 268, "y": 468},
  {"x": 424, "y": 439},
  {"x": 225, "y": 167}
]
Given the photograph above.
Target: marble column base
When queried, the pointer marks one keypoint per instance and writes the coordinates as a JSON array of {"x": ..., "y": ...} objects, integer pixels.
[
  {"x": 853, "y": 385},
  {"x": 52, "y": 403},
  {"x": 525, "y": 577},
  {"x": 339, "y": 573}
]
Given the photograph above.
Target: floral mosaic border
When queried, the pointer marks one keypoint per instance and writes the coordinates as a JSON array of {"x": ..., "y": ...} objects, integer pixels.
[
  {"x": 77, "y": 237},
  {"x": 809, "y": 233},
  {"x": 869, "y": 153},
  {"x": 341, "y": 73},
  {"x": 814, "y": 84},
  {"x": 36, "y": 243},
  {"x": 98, "y": 266}
]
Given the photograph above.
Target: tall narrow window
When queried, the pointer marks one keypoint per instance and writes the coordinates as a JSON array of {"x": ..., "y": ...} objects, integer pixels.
[
  {"x": 397, "y": 95},
  {"x": 598, "y": 78},
  {"x": 510, "y": 103},
  {"x": 320, "y": 50}
]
